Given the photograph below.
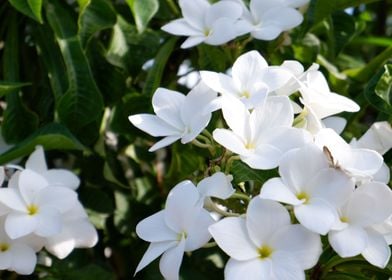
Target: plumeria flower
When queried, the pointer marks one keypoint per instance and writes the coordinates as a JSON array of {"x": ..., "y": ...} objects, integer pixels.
[
  {"x": 35, "y": 206},
  {"x": 180, "y": 227},
  {"x": 269, "y": 18},
  {"x": 265, "y": 245},
  {"x": 213, "y": 24},
  {"x": 77, "y": 232},
  {"x": 217, "y": 185},
  {"x": 314, "y": 189},
  {"x": 177, "y": 116},
  {"x": 357, "y": 162},
  {"x": 262, "y": 136},
  {"x": 15, "y": 255},
  {"x": 250, "y": 81},
  {"x": 370, "y": 204}
]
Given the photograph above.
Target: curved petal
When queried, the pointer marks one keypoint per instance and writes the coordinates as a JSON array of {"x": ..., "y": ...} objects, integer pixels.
[
  {"x": 254, "y": 269},
  {"x": 181, "y": 27},
  {"x": 303, "y": 244},
  {"x": 30, "y": 183},
  {"x": 222, "y": 31},
  {"x": 277, "y": 111},
  {"x": 167, "y": 105},
  {"x": 153, "y": 125},
  {"x": 264, "y": 157},
  {"x": 62, "y": 199},
  {"x": 363, "y": 162},
  {"x": 49, "y": 222},
  {"x": 276, "y": 190},
  {"x": 218, "y": 185},
  {"x": 317, "y": 216},
  {"x": 192, "y": 41},
  {"x": 336, "y": 123},
  {"x": 171, "y": 260},
  {"x": 224, "y": 9},
  {"x": 164, "y": 142},
  {"x": 36, "y": 161},
  {"x": 62, "y": 178},
  {"x": 5, "y": 260},
  {"x": 236, "y": 116},
  {"x": 276, "y": 77},
  {"x": 232, "y": 237},
  {"x": 198, "y": 234},
  {"x": 377, "y": 251},
  {"x": 154, "y": 251},
  {"x": 194, "y": 11},
  {"x": 24, "y": 259},
  {"x": 286, "y": 266},
  {"x": 10, "y": 198},
  {"x": 283, "y": 17},
  {"x": 348, "y": 242},
  {"x": 230, "y": 141},
  {"x": 20, "y": 224},
  {"x": 266, "y": 33},
  {"x": 263, "y": 218},
  {"x": 154, "y": 229}
]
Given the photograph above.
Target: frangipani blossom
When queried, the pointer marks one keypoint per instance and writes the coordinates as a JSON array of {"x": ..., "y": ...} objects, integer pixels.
[
  {"x": 370, "y": 204},
  {"x": 269, "y": 18},
  {"x": 180, "y": 227},
  {"x": 250, "y": 81},
  {"x": 262, "y": 136},
  {"x": 315, "y": 190},
  {"x": 217, "y": 185},
  {"x": 357, "y": 162},
  {"x": 213, "y": 24},
  {"x": 34, "y": 206},
  {"x": 265, "y": 245},
  {"x": 177, "y": 116},
  {"x": 77, "y": 232}
]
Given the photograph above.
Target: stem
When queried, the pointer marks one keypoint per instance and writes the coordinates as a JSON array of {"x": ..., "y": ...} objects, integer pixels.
[
  {"x": 204, "y": 138},
  {"x": 14, "y": 166},
  {"x": 229, "y": 163},
  {"x": 240, "y": 196},
  {"x": 201, "y": 145},
  {"x": 173, "y": 7},
  {"x": 210, "y": 245},
  {"x": 213, "y": 207}
]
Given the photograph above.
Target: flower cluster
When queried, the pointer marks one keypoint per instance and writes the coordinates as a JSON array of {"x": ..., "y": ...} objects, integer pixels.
[
  {"x": 218, "y": 23},
  {"x": 39, "y": 208},
  {"x": 277, "y": 117}
]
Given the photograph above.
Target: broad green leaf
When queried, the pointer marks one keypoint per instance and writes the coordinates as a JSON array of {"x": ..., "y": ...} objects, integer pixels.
[
  {"x": 343, "y": 30},
  {"x": 373, "y": 40},
  {"x": 95, "y": 15},
  {"x": 143, "y": 11},
  {"x": 243, "y": 173},
  {"x": 81, "y": 107},
  {"x": 384, "y": 85},
  {"x": 211, "y": 58},
  {"x": 378, "y": 91},
  {"x": 19, "y": 121},
  {"x": 31, "y": 8},
  {"x": 10, "y": 87},
  {"x": 155, "y": 74},
  {"x": 51, "y": 136}
]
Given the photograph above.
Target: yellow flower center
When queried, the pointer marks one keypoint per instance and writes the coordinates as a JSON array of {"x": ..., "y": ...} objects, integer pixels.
[
  {"x": 303, "y": 196},
  {"x": 250, "y": 146},
  {"x": 264, "y": 252},
  {"x": 181, "y": 235},
  {"x": 4, "y": 247},
  {"x": 344, "y": 219},
  {"x": 207, "y": 32},
  {"x": 32, "y": 209},
  {"x": 245, "y": 94}
]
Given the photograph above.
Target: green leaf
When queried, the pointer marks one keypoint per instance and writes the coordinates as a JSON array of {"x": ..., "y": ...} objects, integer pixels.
[
  {"x": 242, "y": 172},
  {"x": 95, "y": 15},
  {"x": 211, "y": 58},
  {"x": 51, "y": 136},
  {"x": 343, "y": 26},
  {"x": 143, "y": 11},
  {"x": 31, "y": 8},
  {"x": 154, "y": 76},
  {"x": 10, "y": 87},
  {"x": 81, "y": 107},
  {"x": 378, "y": 91}
]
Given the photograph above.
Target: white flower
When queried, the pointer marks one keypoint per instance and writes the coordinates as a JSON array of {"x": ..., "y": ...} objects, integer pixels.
[
  {"x": 218, "y": 185},
  {"x": 77, "y": 232},
  {"x": 314, "y": 189},
  {"x": 180, "y": 227},
  {"x": 269, "y": 18},
  {"x": 251, "y": 80},
  {"x": 35, "y": 206},
  {"x": 378, "y": 138},
  {"x": 15, "y": 255},
  {"x": 370, "y": 204},
  {"x": 177, "y": 116},
  {"x": 262, "y": 136},
  {"x": 357, "y": 162},
  {"x": 213, "y": 24},
  {"x": 265, "y": 245}
]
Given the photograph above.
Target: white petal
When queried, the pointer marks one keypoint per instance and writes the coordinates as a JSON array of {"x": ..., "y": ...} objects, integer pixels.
[
  {"x": 258, "y": 7},
  {"x": 30, "y": 183},
  {"x": 286, "y": 266},
  {"x": 264, "y": 157},
  {"x": 154, "y": 251},
  {"x": 181, "y": 27},
  {"x": 267, "y": 33},
  {"x": 229, "y": 140},
  {"x": 377, "y": 251},
  {"x": 275, "y": 189},
  {"x": 218, "y": 185},
  {"x": 303, "y": 244},
  {"x": 192, "y": 41},
  {"x": 62, "y": 177},
  {"x": 236, "y": 116},
  {"x": 378, "y": 138},
  {"x": 171, "y": 260},
  {"x": 348, "y": 242},
  {"x": 363, "y": 162},
  {"x": 5, "y": 260},
  {"x": 224, "y": 9},
  {"x": 36, "y": 160},
  {"x": 317, "y": 216},
  {"x": 198, "y": 234},
  {"x": 49, "y": 222},
  {"x": 263, "y": 218},
  {"x": 62, "y": 199},
  {"x": 20, "y": 224},
  {"x": 336, "y": 123},
  {"x": 154, "y": 229},
  {"x": 194, "y": 11},
  {"x": 223, "y": 30},
  {"x": 282, "y": 17},
  {"x": 232, "y": 237},
  {"x": 181, "y": 206},
  {"x": 153, "y": 125},
  {"x": 24, "y": 259},
  {"x": 383, "y": 174},
  {"x": 10, "y": 197},
  {"x": 164, "y": 142},
  {"x": 254, "y": 269},
  {"x": 167, "y": 105},
  {"x": 277, "y": 111},
  {"x": 276, "y": 77}
]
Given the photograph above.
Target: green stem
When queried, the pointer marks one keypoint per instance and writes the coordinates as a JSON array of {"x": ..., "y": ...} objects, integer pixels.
[
  {"x": 210, "y": 245},
  {"x": 229, "y": 163},
  {"x": 200, "y": 145},
  {"x": 240, "y": 196},
  {"x": 173, "y": 7}
]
